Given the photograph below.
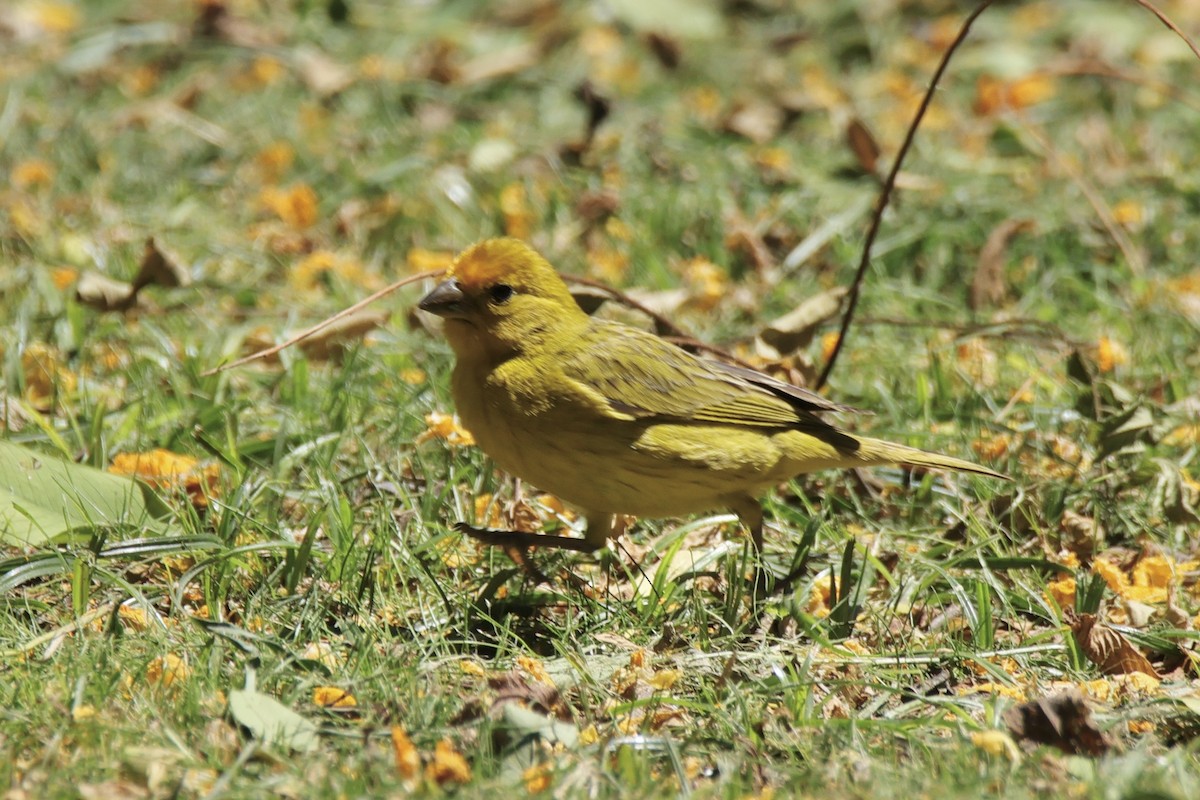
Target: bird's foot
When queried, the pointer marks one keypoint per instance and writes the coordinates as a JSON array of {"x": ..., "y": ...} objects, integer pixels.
[{"x": 494, "y": 538}]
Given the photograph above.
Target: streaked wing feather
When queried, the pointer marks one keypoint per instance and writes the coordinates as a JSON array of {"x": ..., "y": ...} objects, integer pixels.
[
  {"x": 643, "y": 376},
  {"x": 798, "y": 397}
]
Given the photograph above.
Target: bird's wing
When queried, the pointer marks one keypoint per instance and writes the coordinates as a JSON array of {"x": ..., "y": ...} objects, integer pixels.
[{"x": 642, "y": 376}]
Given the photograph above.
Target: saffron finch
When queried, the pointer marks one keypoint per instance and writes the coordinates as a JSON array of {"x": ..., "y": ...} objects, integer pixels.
[{"x": 617, "y": 421}]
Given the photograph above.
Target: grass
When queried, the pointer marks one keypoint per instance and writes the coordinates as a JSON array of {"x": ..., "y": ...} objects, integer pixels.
[{"x": 327, "y": 558}]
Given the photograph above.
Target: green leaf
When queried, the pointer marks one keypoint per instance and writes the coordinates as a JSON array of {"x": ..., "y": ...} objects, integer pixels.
[
  {"x": 45, "y": 499},
  {"x": 271, "y": 722}
]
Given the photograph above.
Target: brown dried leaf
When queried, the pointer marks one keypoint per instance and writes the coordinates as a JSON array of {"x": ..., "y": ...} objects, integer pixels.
[
  {"x": 321, "y": 74},
  {"x": 12, "y": 416},
  {"x": 333, "y": 341},
  {"x": 1062, "y": 720},
  {"x": 439, "y": 62},
  {"x": 594, "y": 207},
  {"x": 515, "y": 687},
  {"x": 665, "y": 48},
  {"x": 118, "y": 789},
  {"x": 498, "y": 64},
  {"x": 862, "y": 142},
  {"x": 741, "y": 239},
  {"x": 796, "y": 329},
  {"x": 159, "y": 268},
  {"x": 1080, "y": 533},
  {"x": 988, "y": 287},
  {"x": 104, "y": 293},
  {"x": 1108, "y": 649},
  {"x": 796, "y": 101},
  {"x": 598, "y": 108},
  {"x": 216, "y": 22},
  {"x": 758, "y": 121}
]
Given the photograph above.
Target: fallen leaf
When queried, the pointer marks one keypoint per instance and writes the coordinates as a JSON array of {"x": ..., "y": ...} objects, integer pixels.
[
  {"x": 272, "y": 722},
  {"x": 45, "y": 499},
  {"x": 112, "y": 790},
  {"x": 1062, "y": 720},
  {"x": 104, "y": 293},
  {"x": 666, "y": 49},
  {"x": 796, "y": 329},
  {"x": 707, "y": 283},
  {"x": 758, "y": 121},
  {"x": 598, "y": 108},
  {"x": 159, "y": 268},
  {"x": 996, "y": 743},
  {"x": 515, "y": 687},
  {"x": 45, "y": 374},
  {"x": 498, "y": 64},
  {"x": 321, "y": 74},
  {"x": 295, "y": 205},
  {"x": 333, "y": 697},
  {"x": 215, "y": 21},
  {"x": 862, "y": 143},
  {"x": 1063, "y": 592},
  {"x": 408, "y": 761},
  {"x": 594, "y": 207},
  {"x": 31, "y": 173},
  {"x": 537, "y": 778},
  {"x": 12, "y": 415},
  {"x": 744, "y": 241},
  {"x": 1108, "y": 649},
  {"x": 446, "y": 427},
  {"x": 448, "y": 765},
  {"x": 439, "y": 61},
  {"x": 166, "y": 470},
  {"x": 166, "y": 669},
  {"x": 333, "y": 341},
  {"x": 1110, "y": 354},
  {"x": 988, "y": 287}
]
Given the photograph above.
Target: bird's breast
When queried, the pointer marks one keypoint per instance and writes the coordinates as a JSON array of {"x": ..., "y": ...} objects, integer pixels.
[{"x": 567, "y": 446}]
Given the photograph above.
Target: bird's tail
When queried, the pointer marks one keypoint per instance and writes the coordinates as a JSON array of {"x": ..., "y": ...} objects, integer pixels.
[{"x": 877, "y": 451}]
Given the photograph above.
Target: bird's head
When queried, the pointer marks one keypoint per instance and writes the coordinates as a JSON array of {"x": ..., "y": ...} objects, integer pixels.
[{"x": 501, "y": 297}]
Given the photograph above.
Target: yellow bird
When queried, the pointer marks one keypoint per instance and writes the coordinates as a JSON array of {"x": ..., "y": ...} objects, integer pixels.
[{"x": 615, "y": 420}]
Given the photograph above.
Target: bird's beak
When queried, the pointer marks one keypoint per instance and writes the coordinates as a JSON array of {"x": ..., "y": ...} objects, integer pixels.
[{"x": 446, "y": 300}]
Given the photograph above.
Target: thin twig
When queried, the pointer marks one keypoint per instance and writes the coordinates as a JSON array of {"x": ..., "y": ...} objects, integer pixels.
[
  {"x": 1165, "y": 20},
  {"x": 889, "y": 185},
  {"x": 663, "y": 325},
  {"x": 325, "y": 323}
]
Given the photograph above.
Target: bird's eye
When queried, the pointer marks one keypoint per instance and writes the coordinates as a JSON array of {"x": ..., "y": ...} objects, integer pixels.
[{"x": 500, "y": 293}]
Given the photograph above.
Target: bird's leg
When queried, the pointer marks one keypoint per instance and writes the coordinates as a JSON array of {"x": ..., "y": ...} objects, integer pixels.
[
  {"x": 750, "y": 512},
  {"x": 602, "y": 527}
]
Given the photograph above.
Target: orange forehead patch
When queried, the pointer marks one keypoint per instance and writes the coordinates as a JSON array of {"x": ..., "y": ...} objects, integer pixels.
[{"x": 493, "y": 261}]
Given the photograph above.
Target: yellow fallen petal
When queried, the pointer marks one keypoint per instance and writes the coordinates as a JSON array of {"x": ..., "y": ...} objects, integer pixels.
[
  {"x": 333, "y": 697},
  {"x": 996, "y": 743}
]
